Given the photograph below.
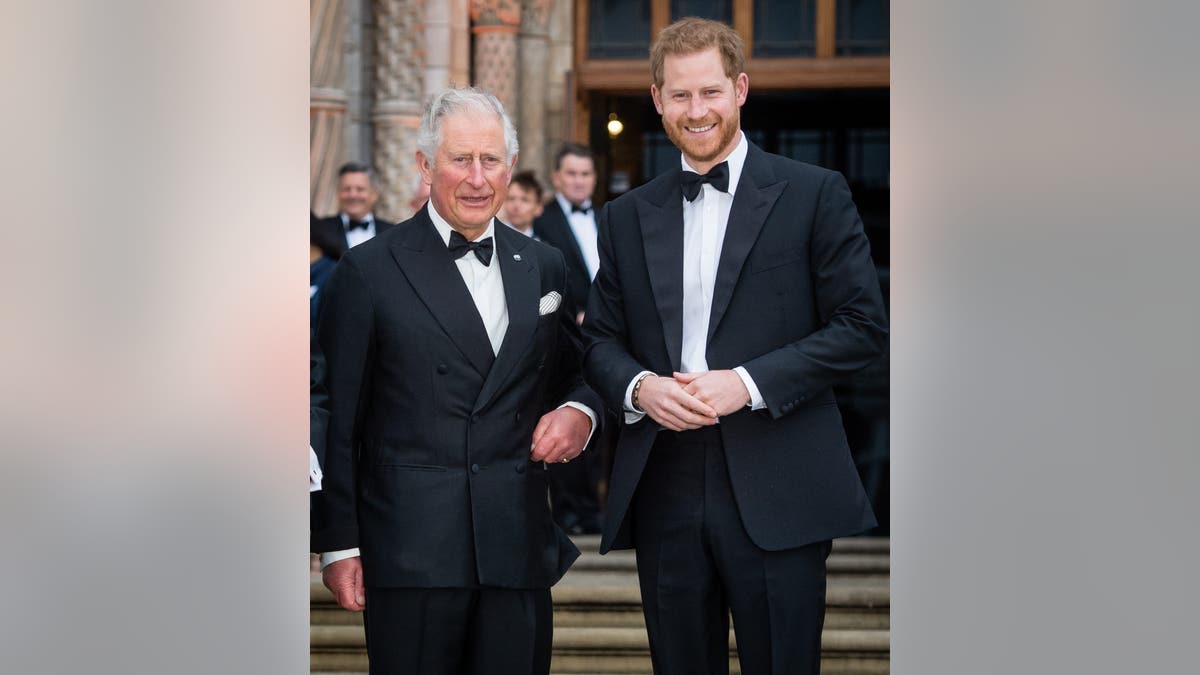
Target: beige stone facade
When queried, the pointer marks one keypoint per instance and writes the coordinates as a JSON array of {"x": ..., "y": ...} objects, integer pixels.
[{"x": 374, "y": 63}]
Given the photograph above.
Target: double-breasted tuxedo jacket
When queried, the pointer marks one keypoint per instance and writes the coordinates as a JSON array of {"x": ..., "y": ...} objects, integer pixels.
[
  {"x": 329, "y": 234},
  {"x": 796, "y": 302},
  {"x": 427, "y": 463}
]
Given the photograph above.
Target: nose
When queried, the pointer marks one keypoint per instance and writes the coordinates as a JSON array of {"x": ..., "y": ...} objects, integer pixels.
[
  {"x": 476, "y": 178},
  {"x": 697, "y": 108}
]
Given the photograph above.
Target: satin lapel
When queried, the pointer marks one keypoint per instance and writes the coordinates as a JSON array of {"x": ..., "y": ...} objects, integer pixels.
[
  {"x": 661, "y": 216},
  {"x": 757, "y": 192},
  {"x": 566, "y": 239},
  {"x": 521, "y": 286},
  {"x": 426, "y": 263}
]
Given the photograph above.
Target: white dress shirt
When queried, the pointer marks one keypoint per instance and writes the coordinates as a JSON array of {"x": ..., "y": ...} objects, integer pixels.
[
  {"x": 704, "y": 224},
  {"x": 486, "y": 284},
  {"x": 358, "y": 235},
  {"x": 583, "y": 226}
]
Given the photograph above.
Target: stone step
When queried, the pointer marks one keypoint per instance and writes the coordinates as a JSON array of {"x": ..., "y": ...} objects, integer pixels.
[
  {"x": 614, "y": 650},
  {"x": 591, "y": 543},
  {"x": 599, "y": 628},
  {"x": 836, "y": 564},
  {"x": 613, "y": 599}
]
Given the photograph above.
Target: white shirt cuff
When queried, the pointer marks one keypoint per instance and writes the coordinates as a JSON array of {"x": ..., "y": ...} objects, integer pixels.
[
  {"x": 328, "y": 559},
  {"x": 586, "y": 411},
  {"x": 631, "y": 415},
  {"x": 314, "y": 471},
  {"x": 756, "y": 399}
]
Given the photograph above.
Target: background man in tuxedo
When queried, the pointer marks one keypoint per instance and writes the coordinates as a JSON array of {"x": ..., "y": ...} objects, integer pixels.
[
  {"x": 453, "y": 372},
  {"x": 355, "y": 223},
  {"x": 732, "y": 294},
  {"x": 568, "y": 223}
]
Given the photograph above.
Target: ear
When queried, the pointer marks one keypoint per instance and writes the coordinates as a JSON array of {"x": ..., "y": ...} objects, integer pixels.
[
  {"x": 425, "y": 167},
  {"x": 657, "y": 96},
  {"x": 741, "y": 87},
  {"x": 511, "y": 166}
]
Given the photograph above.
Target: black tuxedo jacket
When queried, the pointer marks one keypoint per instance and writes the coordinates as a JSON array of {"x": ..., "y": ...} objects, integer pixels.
[
  {"x": 552, "y": 227},
  {"x": 796, "y": 302},
  {"x": 427, "y": 465},
  {"x": 330, "y": 236}
]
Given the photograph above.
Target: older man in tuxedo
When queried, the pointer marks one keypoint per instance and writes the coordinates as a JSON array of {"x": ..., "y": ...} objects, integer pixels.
[
  {"x": 733, "y": 292},
  {"x": 454, "y": 379}
]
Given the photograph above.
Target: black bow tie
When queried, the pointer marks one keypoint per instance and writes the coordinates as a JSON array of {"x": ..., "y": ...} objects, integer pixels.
[
  {"x": 575, "y": 208},
  {"x": 718, "y": 177},
  {"x": 355, "y": 224},
  {"x": 459, "y": 246}
]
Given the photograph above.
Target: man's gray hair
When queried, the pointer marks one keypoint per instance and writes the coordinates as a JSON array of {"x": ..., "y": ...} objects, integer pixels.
[{"x": 451, "y": 101}]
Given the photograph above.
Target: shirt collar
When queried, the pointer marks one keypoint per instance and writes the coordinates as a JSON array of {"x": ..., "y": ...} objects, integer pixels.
[
  {"x": 443, "y": 228},
  {"x": 736, "y": 159},
  {"x": 566, "y": 204},
  {"x": 369, "y": 218}
]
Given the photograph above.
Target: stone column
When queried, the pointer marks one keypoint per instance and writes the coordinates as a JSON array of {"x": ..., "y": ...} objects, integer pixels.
[
  {"x": 533, "y": 44},
  {"x": 559, "y": 96},
  {"x": 327, "y": 102},
  {"x": 494, "y": 27},
  {"x": 399, "y": 79},
  {"x": 447, "y": 45}
]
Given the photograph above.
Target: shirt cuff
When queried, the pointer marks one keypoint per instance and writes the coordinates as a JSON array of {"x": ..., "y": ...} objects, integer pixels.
[
  {"x": 756, "y": 399},
  {"x": 586, "y": 411},
  {"x": 328, "y": 559},
  {"x": 631, "y": 415},
  {"x": 314, "y": 471}
]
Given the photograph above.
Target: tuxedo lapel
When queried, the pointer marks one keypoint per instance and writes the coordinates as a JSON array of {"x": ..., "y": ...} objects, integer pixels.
[
  {"x": 563, "y": 237},
  {"x": 757, "y": 192},
  {"x": 521, "y": 287},
  {"x": 661, "y": 217},
  {"x": 425, "y": 261}
]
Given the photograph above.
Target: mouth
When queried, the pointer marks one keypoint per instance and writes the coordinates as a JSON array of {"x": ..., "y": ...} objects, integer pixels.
[
  {"x": 475, "y": 201},
  {"x": 700, "y": 130}
]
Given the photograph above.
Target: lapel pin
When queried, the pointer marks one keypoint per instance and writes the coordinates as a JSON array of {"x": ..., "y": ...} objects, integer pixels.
[{"x": 517, "y": 257}]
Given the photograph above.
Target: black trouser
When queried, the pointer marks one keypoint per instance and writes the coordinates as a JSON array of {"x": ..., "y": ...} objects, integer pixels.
[
  {"x": 458, "y": 631},
  {"x": 696, "y": 564}
]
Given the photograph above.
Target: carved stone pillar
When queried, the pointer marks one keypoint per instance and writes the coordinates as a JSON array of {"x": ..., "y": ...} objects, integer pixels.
[
  {"x": 327, "y": 102},
  {"x": 399, "y": 79},
  {"x": 533, "y": 53},
  {"x": 494, "y": 26},
  {"x": 559, "y": 97},
  {"x": 447, "y": 45}
]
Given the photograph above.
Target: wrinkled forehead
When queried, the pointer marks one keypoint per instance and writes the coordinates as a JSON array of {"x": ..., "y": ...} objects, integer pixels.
[{"x": 472, "y": 132}]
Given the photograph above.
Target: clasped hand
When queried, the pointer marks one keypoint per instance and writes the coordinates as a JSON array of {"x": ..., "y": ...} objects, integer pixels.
[{"x": 692, "y": 400}]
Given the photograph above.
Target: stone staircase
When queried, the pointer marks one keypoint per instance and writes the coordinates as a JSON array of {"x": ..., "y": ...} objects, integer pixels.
[{"x": 599, "y": 629}]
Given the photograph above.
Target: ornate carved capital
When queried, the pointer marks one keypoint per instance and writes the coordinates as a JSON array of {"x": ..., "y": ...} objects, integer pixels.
[{"x": 495, "y": 13}]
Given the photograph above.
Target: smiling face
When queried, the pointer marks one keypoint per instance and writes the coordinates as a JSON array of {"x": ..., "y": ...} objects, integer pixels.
[
  {"x": 468, "y": 177},
  {"x": 356, "y": 196},
  {"x": 700, "y": 106}
]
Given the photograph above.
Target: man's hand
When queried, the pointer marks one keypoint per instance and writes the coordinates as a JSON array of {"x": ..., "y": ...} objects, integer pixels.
[
  {"x": 560, "y": 435},
  {"x": 667, "y": 403},
  {"x": 344, "y": 579},
  {"x": 723, "y": 390}
]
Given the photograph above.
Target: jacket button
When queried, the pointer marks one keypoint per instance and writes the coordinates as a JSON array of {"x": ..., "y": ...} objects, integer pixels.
[
  {"x": 474, "y": 468},
  {"x": 518, "y": 417},
  {"x": 474, "y": 419},
  {"x": 521, "y": 467},
  {"x": 442, "y": 369}
]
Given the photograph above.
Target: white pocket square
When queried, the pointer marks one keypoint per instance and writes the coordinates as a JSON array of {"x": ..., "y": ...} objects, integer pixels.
[{"x": 549, "y": 303}]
